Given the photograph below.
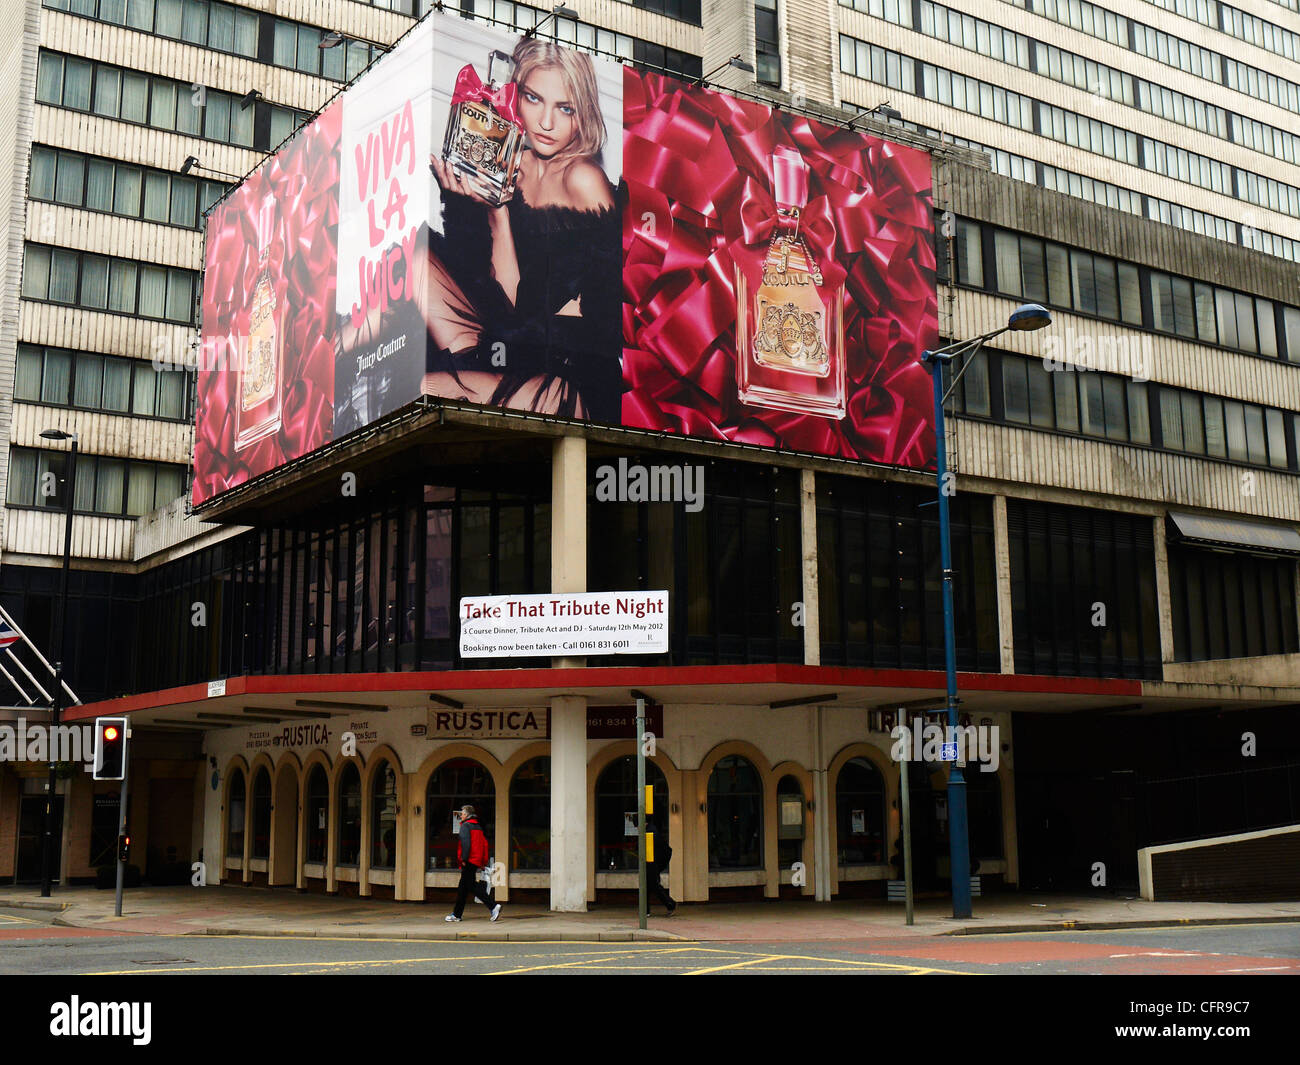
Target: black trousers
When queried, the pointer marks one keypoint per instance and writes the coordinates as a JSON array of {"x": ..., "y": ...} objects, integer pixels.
[
  {"x": 660, "y": 892},
  {"x": 470, "y": 884}
]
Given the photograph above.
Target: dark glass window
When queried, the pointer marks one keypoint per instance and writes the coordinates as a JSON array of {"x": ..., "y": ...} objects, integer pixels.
[
  {"x": 349, "y": 816},
  {"x": 861, "y": 817},
  {"x": 318, "y": 804},
  {"x": 261, "y": 814},
  {"x": 735, "y": 815},
  {"x": 383, "y": 817},
  {"x": 616, "y": 803},
  {"x": 1229, "y": 604},
  {"x": 530, "y": 817},
  {"x": 455, "y": 784},
  {"x": 235, "y": 815}
]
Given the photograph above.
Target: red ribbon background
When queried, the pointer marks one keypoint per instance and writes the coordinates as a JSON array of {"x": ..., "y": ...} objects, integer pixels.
[
  {"x": 303, "y": 255},
  {"x": 698, "y": 166}
]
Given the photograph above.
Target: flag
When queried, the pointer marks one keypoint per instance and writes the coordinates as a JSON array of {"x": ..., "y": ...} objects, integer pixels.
[{"x": 7, "y": 634}]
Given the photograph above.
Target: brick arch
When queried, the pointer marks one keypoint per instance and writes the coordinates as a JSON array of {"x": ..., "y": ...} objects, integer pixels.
[
  {"x": 767, "y": 784},
  {"x": 804, "y": 778},
  {"x": 601, "y": 761}
]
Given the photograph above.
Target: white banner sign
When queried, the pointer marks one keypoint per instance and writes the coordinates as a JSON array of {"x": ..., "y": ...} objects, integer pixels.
[{"x": 586, "y": 623}]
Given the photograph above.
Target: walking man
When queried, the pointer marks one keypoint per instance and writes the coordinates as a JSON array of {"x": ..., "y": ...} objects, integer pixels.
[
  {"x": 663, "y": 854},
  {"x": 474, "y": 854}
]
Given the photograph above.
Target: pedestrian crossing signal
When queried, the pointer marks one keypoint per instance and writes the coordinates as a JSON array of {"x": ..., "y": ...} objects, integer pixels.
[{"x": 110, "y": 748}]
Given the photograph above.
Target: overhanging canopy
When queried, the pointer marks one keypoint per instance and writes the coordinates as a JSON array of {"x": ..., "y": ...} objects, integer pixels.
[{"x": 1241, "y": 535}]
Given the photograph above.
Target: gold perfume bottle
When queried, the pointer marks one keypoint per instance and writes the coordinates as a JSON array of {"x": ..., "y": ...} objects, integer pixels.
[
  {"x": 258, "y": 399},
  {"x": 484, "y": 136},
  {"x": 790, "y": 331}
]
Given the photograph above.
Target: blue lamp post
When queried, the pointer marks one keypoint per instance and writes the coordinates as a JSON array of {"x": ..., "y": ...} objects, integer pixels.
[{"x": 1023, "y": 319}]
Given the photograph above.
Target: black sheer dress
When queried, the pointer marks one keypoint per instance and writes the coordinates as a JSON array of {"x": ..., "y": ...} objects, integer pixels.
[{"x": 568, "y": 259}]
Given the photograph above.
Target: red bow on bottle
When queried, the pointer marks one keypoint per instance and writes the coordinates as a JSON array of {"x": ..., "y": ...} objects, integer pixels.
[{"x": 469, "y": 86}]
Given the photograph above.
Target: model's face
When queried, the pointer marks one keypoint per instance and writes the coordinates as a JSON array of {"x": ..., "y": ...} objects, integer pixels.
[{"x": 547, "y": 112}]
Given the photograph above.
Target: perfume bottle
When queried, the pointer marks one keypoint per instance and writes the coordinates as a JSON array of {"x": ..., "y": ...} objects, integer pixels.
[
  {"x": 484, "y": 136},
  {"x": 258, "y": 391},
  {"x": 790, "y": 330}
]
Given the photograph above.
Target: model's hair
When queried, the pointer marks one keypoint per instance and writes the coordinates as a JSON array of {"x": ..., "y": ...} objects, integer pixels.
[
  {"x": 579, "y": 79},
  {"x": 467, "y": 810}
]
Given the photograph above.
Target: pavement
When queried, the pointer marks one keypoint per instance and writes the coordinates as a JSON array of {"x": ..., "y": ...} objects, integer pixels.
[{"x": 256, "y": 911}]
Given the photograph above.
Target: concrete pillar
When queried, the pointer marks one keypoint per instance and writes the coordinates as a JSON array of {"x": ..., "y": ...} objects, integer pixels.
[
  {"x": 822, "y": 868},
  {"x": 812, "y": 645},
  {"x": 1163, "y": 606},
  {"x": 1002, "y": 566},
  {"x": 569, "y": 804},
  {"x": 569, "y": 521}
]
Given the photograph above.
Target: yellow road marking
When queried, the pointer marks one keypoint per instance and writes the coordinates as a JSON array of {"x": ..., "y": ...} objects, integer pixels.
[
  {"x": 21, "y": 920},
  {"x": 733, "y": 965}
]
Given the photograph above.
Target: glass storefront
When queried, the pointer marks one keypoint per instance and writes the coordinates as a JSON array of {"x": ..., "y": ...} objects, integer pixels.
[
  {"x": 530, "y": 817},
  {"x": 454, "y": 784},
  {"x": 383, "y": 818},
  {"x": 318, "y": 804},
  {"x": 860, "y": 816},
  {"x": 261, "y": 814},
  {"x": 735, "y": 815},
  {"x": 616, "y": 805},
  {"x": 235, "y": 815},
  {"x": 349, "y": 826}
]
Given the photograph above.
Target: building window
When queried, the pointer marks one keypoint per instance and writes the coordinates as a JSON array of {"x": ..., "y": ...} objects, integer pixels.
[
  {"x": 105, "y": 383},
  {"x": 99, "y": 283},
  {"x": 1082, "y": 591},
  {"x": 735, "y": 815},
  {"x": 86, "y": 181},
  {"x": 790, "y": 801},
  {"x": 767, "y": 43},
  {"x": 261, "y": 814},
  {"x": 235, "y": 815},
  {"x": 860, "y": 816},
  {"x": 530, "y": 817},
  {"x": 349, "y": 819},
  {"x": 616, "y": 805},
  {"x": 104, "y": 485},
  {"x": 984, "y": 806},
  {"x": 318, "y": 805},
  {"x": 456, "y": 783},
  {"x": 1231, "y": 604},
  {"x": 383, "y": 818}
]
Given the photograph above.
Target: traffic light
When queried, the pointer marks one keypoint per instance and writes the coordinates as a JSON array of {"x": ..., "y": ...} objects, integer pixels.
[
  {"x": 110, "y": 748},
  {"x": 123, "y": 848}
]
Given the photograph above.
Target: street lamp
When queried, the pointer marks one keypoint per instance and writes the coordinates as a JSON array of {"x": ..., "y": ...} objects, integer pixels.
[
  {"x": 60, "y": 636},
  {"x": 1024, "y": 318},
  {"x": 735, "y": 61},
  {"x": 558, "y": 10}
]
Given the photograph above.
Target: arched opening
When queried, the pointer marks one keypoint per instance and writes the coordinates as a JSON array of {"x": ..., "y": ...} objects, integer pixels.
[
  {"x": 383, "y": 817},
  {"x": 456, "y": 783},
  {"x": 530, "y": 816},
  {"x": 860, "y": 814},
  {"x": 235, "y": 815},
  {"x": 318, "y": 805},
  {"x": 735, "y": 815},
  {"x": 349, "y": 820},
  {"x": 616, "y": 806},
  {"x": 261, "y": 814}
]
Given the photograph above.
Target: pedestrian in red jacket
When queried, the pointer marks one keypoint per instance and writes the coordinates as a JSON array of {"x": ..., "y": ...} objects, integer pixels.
[{"x": 474, "y": 854}]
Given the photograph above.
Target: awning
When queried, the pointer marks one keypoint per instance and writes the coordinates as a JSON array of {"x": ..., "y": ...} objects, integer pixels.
[{"x": 1239, "y": 535}]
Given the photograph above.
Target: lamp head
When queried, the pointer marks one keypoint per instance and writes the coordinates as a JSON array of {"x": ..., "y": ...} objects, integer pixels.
[
  {"x": 564, "y": 12},
  {"x": 1029, "y": 316},
  {"x": 191, "y": 161},
  {"x": 331, "y": 40},
  {"x": 740, "y": 64},
  {"x": 57, "y": 434}
]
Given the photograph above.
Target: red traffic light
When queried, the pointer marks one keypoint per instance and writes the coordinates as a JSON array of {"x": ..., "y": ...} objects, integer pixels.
[{"x": 110, "y": 733}]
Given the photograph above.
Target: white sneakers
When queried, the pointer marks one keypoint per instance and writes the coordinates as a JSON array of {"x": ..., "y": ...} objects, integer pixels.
[
  {"x": 451, "y": 918},
  {"x": 496, "y": 911}
]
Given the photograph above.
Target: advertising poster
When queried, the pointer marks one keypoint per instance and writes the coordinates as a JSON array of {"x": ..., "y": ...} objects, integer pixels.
[{"x": 512, "y": 223}]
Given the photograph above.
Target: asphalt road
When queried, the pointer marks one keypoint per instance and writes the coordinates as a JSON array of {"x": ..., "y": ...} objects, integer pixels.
[{"x": 30, "y": 945}]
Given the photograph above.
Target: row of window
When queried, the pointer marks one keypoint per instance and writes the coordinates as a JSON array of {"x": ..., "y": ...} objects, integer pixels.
[
  {"x": 898, "y": 12},
  {"x": 1168, "y": 49},
  {"x": 101, "y": 283},
  {"x": 106, "y": 383},
  {"x": 583, "y": 36},
  {"x": 227, "y": 28},
  {"x": 1068, "y": 127},
  {"x": 1045, "y": 272},
  {"x": 118, "y": 188},
  {"x": 162, "y": 103},
  {"x": 1108, "y": 406},
  {"x": 1006, "y": 46},
  {"x": 108, "y": 486},
  {"x": 1259, "y": 32}
]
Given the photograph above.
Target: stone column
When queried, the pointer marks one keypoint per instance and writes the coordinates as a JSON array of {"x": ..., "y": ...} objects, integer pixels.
[
  {"x": 569, "y": 804},
  {"x": 812, "y": 646},
  {"x": 1002, "y": 568}
]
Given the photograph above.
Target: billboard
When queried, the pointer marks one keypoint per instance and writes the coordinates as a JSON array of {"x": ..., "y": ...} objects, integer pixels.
[{"x": 507, "y": 222}]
